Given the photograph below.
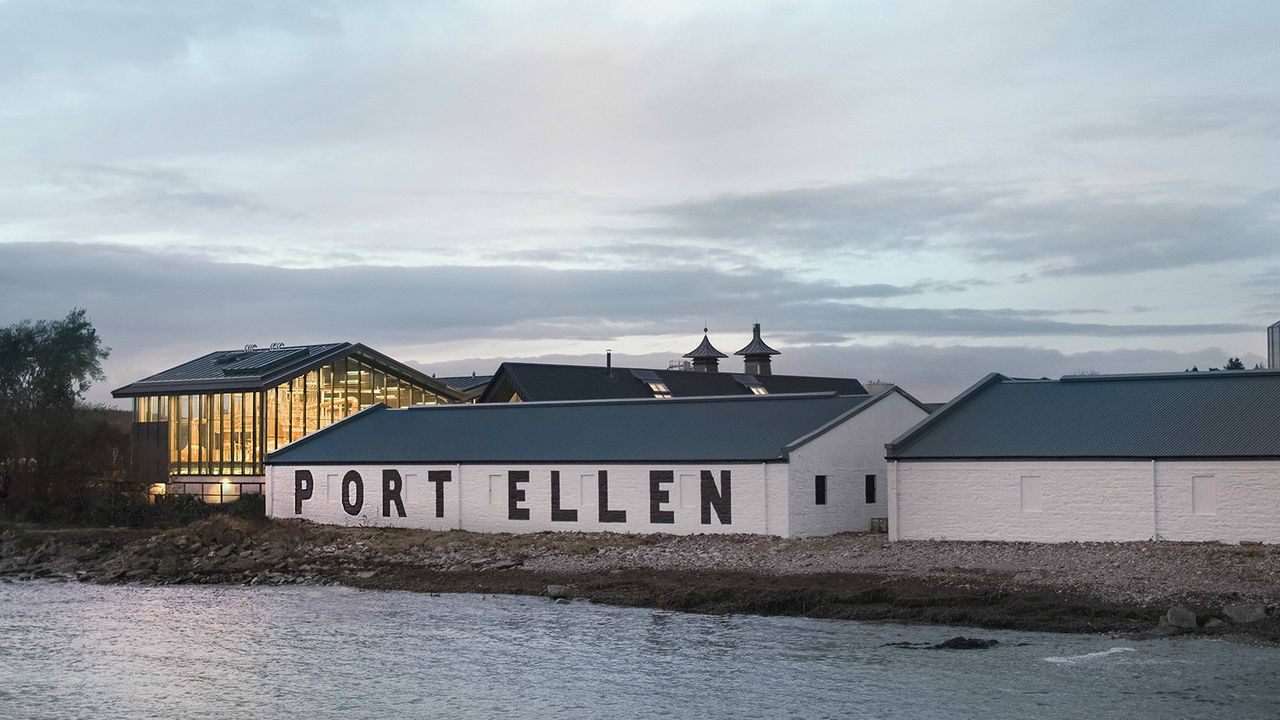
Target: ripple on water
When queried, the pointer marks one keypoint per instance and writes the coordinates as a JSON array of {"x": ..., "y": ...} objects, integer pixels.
[{"x": 70, "y": 650}]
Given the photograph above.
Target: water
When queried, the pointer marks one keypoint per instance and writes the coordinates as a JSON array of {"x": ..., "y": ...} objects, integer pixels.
[{"x": 70, "y": 650}]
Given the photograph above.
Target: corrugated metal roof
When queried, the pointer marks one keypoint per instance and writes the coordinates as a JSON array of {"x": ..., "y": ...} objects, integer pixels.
[
  {"x": 1175, "y": 415},
  {"x": 748, "y": 429},
  {"x": 538, "y": 382},
  {"x": 465, "y": 382},
  {"x": 245, "y": 370}
]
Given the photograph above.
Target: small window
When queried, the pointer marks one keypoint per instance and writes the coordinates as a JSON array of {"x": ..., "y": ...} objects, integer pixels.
[
  {"x": 819, "y": 489},
  {"x": 660, "y": 390}
]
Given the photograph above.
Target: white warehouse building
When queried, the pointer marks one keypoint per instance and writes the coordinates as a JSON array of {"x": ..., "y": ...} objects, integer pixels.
[
  {"x": 1191, "y": 456},
  {"x": 790, "y": 465}
]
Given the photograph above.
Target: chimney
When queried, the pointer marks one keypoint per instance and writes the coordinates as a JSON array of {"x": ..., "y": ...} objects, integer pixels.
[
  {"x": 756, "y": 355},
  {"x": 1273, "y": 347},
  {"x": 706, "y": 358}
]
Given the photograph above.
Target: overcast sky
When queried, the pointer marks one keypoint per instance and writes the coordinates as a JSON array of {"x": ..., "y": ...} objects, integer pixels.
[{"x": 916, "y": 192}]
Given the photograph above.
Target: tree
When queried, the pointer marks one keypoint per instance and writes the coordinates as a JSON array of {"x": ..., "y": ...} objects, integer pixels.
[
  {"x": 1234, "y": 363},
  {"x": 48, "y": 438}
]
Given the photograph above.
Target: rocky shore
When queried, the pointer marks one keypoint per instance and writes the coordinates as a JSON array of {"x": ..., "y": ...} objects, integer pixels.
[{"x": 1142, "y": 589}]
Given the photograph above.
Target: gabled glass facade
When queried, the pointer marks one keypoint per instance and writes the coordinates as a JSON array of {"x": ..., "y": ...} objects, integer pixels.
[{"x": 226, "y": 434}]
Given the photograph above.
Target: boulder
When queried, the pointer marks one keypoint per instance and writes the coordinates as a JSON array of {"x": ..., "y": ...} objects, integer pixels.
[
  {"x": 1180, "y": 617},
  {"x": 1244, "y": 614},
  {"x": 961, "y": 642},
  {"x": 557, "y": 592}
]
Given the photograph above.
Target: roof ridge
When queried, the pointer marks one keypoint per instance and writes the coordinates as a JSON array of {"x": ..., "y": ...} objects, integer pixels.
[
  {"x": 654, "y": 400},
  {"x": 1170, "y": 375}
]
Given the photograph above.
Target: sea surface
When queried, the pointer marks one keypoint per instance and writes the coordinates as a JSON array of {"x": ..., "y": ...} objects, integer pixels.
[{"x": 69, "y": 650}]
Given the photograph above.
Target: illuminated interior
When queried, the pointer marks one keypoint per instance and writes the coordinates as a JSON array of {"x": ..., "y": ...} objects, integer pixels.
[{"x": 227, "y": 433}]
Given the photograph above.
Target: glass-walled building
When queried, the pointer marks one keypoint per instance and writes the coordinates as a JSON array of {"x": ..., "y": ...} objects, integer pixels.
[{"x": 204, "y": 426}]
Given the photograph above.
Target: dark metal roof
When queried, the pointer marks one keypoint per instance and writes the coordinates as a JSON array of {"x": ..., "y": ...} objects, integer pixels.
[
  {"x": 247, "y": 370},
  {"x": 705, "y": 350},
  {"x": 464, "y": 383},
  {"x": 757, "y": 346},
  {"x": 729, "y": 429},
  {"x": 1169, "y": 415},
  {"x": 538, "y": 382}
]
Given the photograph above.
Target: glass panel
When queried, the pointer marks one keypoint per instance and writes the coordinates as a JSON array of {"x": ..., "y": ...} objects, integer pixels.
[
  {"x": 297, "y": 408},
  {"x": 312, "y": 422},
  {"x": 326, "y": 396},
  {"x": 366, "y": 386},
  {"x": 253, "y": 457},
  {"x": 206, "y": 434},
  {"x": 339, "y": 390},
  {"x": 393, "y": 391},
  {"x": 379, "y": 386},
  {"x": 182, "y": 435},
  {"x": 233, "y": 454}
]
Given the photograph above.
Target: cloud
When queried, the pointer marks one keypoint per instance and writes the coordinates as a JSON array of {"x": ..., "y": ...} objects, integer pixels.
[
  {"x": 1071, "y": 232},
  {"x": 1181, "y": 117},
  {"x": 156, "y": 309}
]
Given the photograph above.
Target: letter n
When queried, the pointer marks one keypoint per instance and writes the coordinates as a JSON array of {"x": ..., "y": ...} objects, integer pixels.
[{"x": 721, "y": 499}]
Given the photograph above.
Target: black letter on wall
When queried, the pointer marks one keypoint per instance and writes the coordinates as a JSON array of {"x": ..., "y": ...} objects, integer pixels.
[
  {"x": 439, "y": 477},
  {"x": 607, "y": 515},
  {"x": 516, "y": 495},
  {"x": 558, "y": 515},
  {"x": 392, "y": 486},
  {"x": 352, "y": 480},
  {"x": 721, "y": 500},
  {"x": 658, "y": 496},
  {"x": 303, "y": 486}
]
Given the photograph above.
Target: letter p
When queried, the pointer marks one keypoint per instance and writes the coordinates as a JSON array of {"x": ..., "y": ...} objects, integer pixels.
[{"x": 303, "y": 486}]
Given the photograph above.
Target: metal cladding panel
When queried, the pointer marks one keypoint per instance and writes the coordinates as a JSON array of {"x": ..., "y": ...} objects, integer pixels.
[
  {"x": 1184, "y": 415},
  {"x": 465, "y": 382},
  {"x": 547, "y": 382},
  {"x": 263, "y": 360},
  {"x": 208, "y": 367},
  {"x": 725, "y": 429},
  {"x": 779, "y": 384}
]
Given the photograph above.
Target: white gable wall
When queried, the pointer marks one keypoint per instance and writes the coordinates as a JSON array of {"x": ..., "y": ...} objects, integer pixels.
[
  {"x": 1086, "y": 501},
  {"x": 846, "y": 454}
]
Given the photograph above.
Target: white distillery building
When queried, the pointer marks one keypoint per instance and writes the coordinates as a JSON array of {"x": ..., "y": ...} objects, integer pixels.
[
  {"x": 788, "y": 465},
  {"x": 1184, "y": 456}
]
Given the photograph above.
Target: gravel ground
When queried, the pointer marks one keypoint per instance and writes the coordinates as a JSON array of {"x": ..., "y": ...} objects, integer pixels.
[
  {"x": 1142, "y": 573},
  {"x": 1083, "y": 587}
]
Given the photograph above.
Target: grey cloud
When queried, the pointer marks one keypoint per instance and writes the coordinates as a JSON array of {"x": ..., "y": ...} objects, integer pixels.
[
  {"x": 1071, "y": 233},
  {"x": 152, "y": 305},
  {"x": 149, "y": 189},
  {"x": 1164, "y": 118}
]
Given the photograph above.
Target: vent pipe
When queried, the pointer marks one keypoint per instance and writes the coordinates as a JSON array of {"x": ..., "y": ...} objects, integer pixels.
[{"x": 1273, "y": 347}]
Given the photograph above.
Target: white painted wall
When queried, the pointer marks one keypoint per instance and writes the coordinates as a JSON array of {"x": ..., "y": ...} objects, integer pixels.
[
  {"x": 846, "y": 454},
  {"x": 1086, "y": 501},
  {"x": 476, "y": 498}
]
